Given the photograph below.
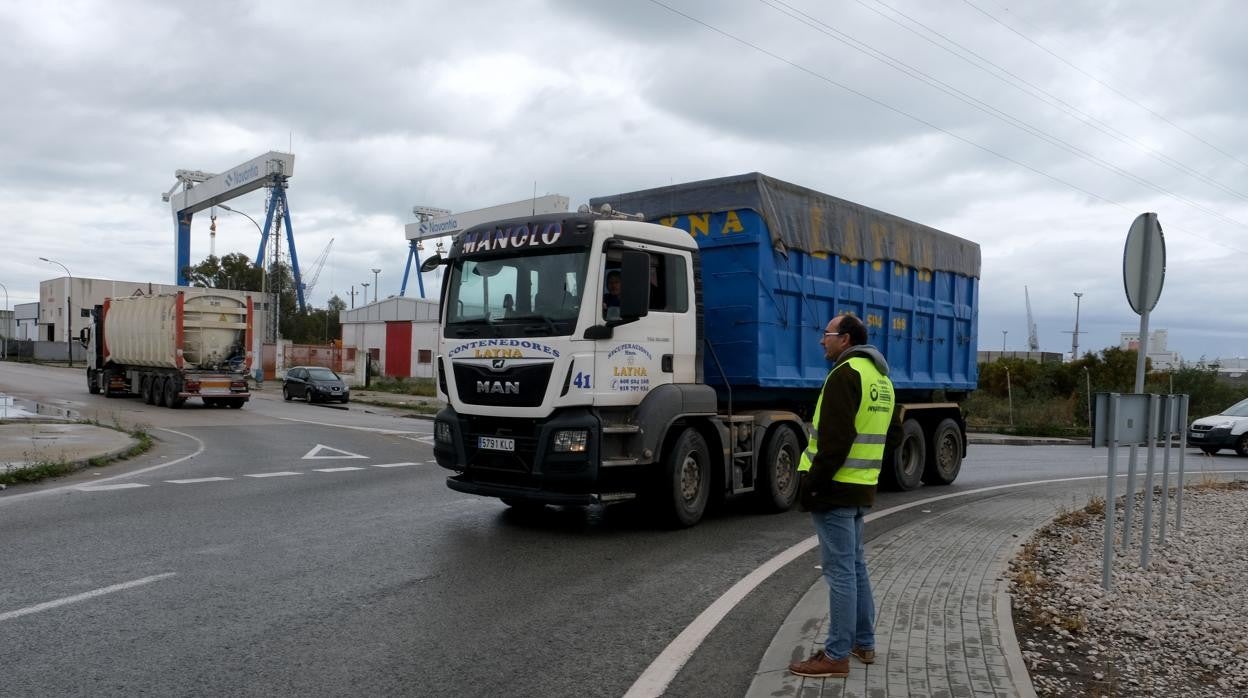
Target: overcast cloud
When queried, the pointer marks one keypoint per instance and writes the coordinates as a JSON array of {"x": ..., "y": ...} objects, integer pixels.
[{"x": 464, "y": 105}]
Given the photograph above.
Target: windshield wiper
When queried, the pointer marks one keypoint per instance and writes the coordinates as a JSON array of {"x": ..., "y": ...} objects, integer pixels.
[{"x": 472, "y": 328}]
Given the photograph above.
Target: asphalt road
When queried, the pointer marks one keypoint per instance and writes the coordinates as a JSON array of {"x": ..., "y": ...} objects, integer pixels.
[{"x": 293, "y": 549}]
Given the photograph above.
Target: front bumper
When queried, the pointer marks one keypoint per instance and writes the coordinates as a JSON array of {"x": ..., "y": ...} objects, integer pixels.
[
  {"x": 1213, "y": 438},
  {"x": 533, "y": 471}
]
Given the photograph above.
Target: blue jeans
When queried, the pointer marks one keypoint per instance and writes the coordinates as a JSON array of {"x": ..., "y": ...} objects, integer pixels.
[{"x": 851, "y": 610}]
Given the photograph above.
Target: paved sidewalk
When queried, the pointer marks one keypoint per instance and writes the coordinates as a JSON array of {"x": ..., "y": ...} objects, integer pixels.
[{"x": 943, "y": 623}]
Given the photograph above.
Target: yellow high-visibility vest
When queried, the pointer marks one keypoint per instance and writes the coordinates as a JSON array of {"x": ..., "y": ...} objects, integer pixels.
[{"x": 875, "y": 413}]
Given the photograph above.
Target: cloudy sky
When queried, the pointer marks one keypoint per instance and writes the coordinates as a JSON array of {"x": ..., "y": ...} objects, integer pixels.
[{"x": 1038, "y": 130}]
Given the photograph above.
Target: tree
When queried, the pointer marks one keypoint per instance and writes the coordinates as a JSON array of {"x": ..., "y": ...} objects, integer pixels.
[{"x": 233, "y": 271}]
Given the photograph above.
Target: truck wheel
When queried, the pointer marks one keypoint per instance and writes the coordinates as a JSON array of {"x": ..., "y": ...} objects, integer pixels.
[
  {"x": 159, "y": 393},
  {"x": 92, "y": 386},
  {"x": 903, "y": 468},
  {"x": 523, "y": 505},
  {"x": 235, "y": 404},
  {"x": 171, "y": 399},
  {"x": 1241, "y": 446},
  {"x": 686, "y": 480},
  {"x": 944, "y": 454},
  {"x": 777, "y": 483},
  {"x": 145, "y": 389}
]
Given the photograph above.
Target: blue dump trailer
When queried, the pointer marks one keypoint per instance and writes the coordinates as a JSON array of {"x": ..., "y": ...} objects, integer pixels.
[
  {"x": 665, "y": 344},
  {"x": 779, "y": 261}
]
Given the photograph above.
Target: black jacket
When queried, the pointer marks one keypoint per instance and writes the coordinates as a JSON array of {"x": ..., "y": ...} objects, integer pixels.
[{"x": 842, "y": 396}]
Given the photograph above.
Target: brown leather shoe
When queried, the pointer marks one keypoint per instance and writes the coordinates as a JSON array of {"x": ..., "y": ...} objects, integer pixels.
[
  {"x": 820, "y": 667},
  {"x": 864, "y": 655}
]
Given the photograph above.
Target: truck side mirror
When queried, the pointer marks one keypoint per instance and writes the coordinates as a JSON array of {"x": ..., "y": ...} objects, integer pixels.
[
  {"x": 84, "y": 336},
  {"x": 432, "y": 263},
  {"x": 634, "y": 285}
]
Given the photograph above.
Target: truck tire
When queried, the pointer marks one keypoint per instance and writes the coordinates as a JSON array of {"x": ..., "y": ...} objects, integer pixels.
[
  {"x": 944, "y": 454},
  {"x": 686, "y": 483},
  {"x": 92, "y": 386},
  {"x": 777, "y": 479},
  {"x": 235, "y": 404},
  {"x": 903, "y": 469},
  {"x": 159, "y": 393},
  {"x": 145, "y": 389},
  {"x": 175, "y": 402}
]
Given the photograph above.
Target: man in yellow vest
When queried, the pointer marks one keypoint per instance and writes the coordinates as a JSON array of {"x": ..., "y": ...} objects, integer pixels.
[{"x": 839, "y": 472}]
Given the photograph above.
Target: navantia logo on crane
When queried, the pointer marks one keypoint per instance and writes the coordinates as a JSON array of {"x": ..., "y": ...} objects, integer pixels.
[{"x": 243, "y": 175}]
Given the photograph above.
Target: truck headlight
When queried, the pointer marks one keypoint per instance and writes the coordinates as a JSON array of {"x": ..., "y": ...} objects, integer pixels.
[
  {"x": 442, "y": 432},
  {"x": 571, "y": 440}
]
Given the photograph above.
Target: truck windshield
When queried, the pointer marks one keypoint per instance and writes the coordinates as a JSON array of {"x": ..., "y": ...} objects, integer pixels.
[{"x": 535, "y": 295}]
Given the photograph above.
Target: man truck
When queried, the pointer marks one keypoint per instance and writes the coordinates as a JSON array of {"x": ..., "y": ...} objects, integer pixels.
[
  {"x": 171, "y": 347},
  {"x": 700, "y": 381}
]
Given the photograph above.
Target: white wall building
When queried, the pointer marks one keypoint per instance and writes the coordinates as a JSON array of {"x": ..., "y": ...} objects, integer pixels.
[
  {"x": 399, "y": 333},
  {"x": 26, "y": 316},
  {"x": 1162, "y": 359}
]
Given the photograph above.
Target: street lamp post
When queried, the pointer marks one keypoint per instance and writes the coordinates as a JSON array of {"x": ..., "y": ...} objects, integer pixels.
[
  {"x": 69, "y": 318},
  {"x": 365, "y": 285},
  {"x": 1003, "y": 333},
  {"x": 375, "y": 284},
  {"x": 1074, "y": 338},
  {"x": 264, "y": 285},
  {"x": 7, "y": 322}
]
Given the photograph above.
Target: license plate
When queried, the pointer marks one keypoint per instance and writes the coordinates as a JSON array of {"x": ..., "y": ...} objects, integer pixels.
[
  {"x": 1197, "y": 435},
  {"x": 496, "y": 444}
]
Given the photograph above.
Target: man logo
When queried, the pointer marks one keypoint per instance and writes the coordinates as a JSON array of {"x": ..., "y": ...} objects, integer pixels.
[
  {"x": 875, "y": 393},
  {"x": 498, "y": 387},
  {"x": 499, "y": 364}
]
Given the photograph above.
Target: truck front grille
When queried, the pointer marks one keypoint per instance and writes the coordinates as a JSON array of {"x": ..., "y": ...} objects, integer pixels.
[{"x": 522, "y": 385}]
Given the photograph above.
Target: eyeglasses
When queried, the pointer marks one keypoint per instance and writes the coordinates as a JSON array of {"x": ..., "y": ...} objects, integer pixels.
[{"x": 834, "y": 334}]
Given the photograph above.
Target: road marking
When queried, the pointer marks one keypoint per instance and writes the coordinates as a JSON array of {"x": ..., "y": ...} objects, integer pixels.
[
  {"x": 192, "y": 481},
  {"x": 105, "y": 488},
  {"x": 434, "y": 462},
  {"x": 84, "y": 596},
  {"x": 315, "y": 453},
  {"x": 391, "y": 465},
  {"x": 659, "y": 675},
  {"x": 279, "y": 474},
  {"x": 336, "y": 470},
  {"x": 375, "y": 430}
]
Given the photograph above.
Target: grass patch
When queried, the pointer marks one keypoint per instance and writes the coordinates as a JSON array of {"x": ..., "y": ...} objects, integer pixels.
[{"x": 423, "y": 387}]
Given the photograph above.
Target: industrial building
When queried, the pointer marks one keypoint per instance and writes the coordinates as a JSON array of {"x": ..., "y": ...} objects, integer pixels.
[{"x": 397, "y": 334}]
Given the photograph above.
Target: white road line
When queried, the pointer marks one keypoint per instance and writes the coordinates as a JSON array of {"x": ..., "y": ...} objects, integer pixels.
[
  {"x": 83, "y": 596},
  {"x": 659, "y": 675},
  {"x": 435, "y": 462},
  {"x": 336, "y": 470},
  {"x": 391, "y": 465},
  {"x": 279, "y": 474},
  {"x": 105, "y": 488},
  {"x": 192, "y": 481},
  {"x": 375, "y": 430},
  {"x": 9, "y": 499}
]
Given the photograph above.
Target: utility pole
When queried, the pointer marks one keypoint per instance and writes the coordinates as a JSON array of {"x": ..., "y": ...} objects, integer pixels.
[
  {"x": 1074, "y": 338},
  {"x": 376, "y": 285},
  {"x": 365, "y": 285},
  {"x": 352, "y": 295}
]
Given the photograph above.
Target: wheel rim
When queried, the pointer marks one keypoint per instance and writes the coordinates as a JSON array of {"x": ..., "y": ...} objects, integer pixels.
[
  {"x": 784, "y": 470},
  {"x": 690, "y": 477},
  {"x": 910, "y": 458},
  {"x": 946, "y": 453}
]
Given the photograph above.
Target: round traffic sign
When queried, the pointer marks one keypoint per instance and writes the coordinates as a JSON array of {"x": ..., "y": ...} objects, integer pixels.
[{"x": 1144, "y": 263}]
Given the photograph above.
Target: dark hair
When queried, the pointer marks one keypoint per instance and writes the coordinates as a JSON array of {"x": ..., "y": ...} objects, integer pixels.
[
  {"x": 853, "y": 327},
  {"x": 614, "y": 273}
]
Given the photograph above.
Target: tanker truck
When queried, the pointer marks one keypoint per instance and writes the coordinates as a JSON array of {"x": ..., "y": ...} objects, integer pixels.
[
  {"x": 699, "y": 379},
  {"x": 171, "y": 347}
]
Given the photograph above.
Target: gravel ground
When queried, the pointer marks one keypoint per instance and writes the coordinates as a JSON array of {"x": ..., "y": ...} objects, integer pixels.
[{"x": 1177, "y": 628}]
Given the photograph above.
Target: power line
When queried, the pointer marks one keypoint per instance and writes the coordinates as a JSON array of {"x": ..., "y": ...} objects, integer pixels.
[
  {"x": 913, "y": 117},
  {"x": 970, "y": 100},
  {"x": 1100, "y": 82},
  {"x": 1042, "y": 95}
]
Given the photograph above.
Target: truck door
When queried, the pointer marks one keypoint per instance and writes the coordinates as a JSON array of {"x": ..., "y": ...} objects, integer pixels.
[{"x": 640, "y": 353}]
